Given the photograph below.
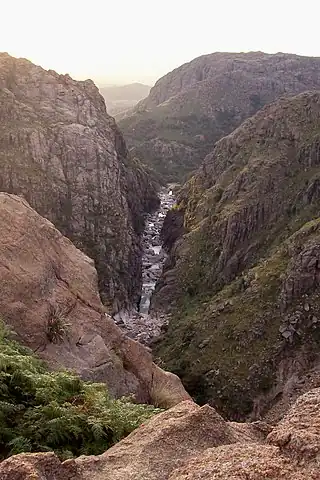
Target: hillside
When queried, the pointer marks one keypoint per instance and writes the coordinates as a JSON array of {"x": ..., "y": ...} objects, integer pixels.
[
  {"x": 195, "y": 105},
  {"x": 61, "y": 150},
  {"x": 49, "y": 297},
  {"x": 119, "y": 98},
  {"x": 243, "y": 278}
]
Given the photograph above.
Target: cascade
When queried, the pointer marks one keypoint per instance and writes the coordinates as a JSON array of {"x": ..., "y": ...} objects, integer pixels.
[{"x": 140, "y": 324}]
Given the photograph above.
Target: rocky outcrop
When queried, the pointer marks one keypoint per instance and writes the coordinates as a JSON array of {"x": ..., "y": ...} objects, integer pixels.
[
  {"x": 49, "y": 297},
  {"x": 243, "y": 281},
  {"x": 66, "y": 156},
  {"x": 158, "y": 448},
  {"x": 38, "y": 466},
  {"x": 189, "y": 442},
  {"x": 191, "y": 108}
]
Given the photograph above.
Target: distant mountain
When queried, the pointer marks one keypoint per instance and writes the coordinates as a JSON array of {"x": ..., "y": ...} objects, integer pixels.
[
  {"x": 121, "y": 97},
  {"x": 195, "y": 105}
]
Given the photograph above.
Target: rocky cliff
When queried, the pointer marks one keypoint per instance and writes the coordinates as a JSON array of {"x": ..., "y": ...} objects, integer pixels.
[
  {"x": 49, "y": 297},
  {"x": 195, "y": 105},
  {"x": 242, "y": 278},
  {"x": 188, "y": 442},
  {"x": 66, "y": 156}
]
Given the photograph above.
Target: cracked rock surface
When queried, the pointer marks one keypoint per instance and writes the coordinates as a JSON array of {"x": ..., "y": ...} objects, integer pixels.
[{"x": 61, "y": 150}]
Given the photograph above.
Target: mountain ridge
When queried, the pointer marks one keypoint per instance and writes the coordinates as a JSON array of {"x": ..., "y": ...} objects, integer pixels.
[
  {"x": 120, "y": 98},
  {"x": 242, "y": 293},
  {"x": 191, "y": 108}
]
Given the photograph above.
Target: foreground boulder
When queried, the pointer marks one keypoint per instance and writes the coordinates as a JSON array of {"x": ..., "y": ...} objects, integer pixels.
[
  {"x": 242, "y": 278},
  {"x": 49, "y": 297},
  {"x": 61, "y": 150},
  {"x": 192, "y": 442}
]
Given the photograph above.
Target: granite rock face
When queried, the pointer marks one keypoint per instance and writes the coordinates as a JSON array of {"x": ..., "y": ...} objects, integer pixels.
[
  {"x": 191, "y": 108},
  {"x": 192, "y": 442},
  {"x": 242, "y": 278},
  {"x": 66, "y": 156},
  {"x": 49, "y": 297}
]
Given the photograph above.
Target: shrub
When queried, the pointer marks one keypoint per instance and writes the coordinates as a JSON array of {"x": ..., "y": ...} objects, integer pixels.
[
  {"x": 57, "y": 327},
  {"x": 43, "y": 411}
]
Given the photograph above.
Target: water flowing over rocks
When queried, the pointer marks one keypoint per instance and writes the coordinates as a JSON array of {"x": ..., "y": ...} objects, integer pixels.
[
  {"x": 140, "y": 324},
  {"x": 242, "y": 278}
]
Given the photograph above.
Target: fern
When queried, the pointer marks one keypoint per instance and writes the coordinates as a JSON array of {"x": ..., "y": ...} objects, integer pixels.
[
  {"x": 20, "y": 445},
  {"x": 44, "y": 411}
]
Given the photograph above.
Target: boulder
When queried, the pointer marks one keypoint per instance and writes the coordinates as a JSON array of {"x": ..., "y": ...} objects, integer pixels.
[
  {"x": 49, "y": 297},
  {"x": 38, "y": 466},
  {"x": 189, "y": 442}
]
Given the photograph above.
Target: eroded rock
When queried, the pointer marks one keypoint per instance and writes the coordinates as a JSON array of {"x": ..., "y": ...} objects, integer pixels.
[
  {"x": 61, "y": 150},
  {"x": 191, "y": 108},
  {"x": 45, "y": 281},
  {"x": 244, "y": 271},
  {"x": 189, "y": 442}
]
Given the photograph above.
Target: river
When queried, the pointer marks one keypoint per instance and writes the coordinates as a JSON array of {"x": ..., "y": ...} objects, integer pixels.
[{"x": 140, "y": 324}]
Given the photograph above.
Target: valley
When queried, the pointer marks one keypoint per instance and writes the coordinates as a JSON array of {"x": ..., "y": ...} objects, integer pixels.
[
  {"x": 160, "y": 273},
  {"x": 139, "y": 323}
]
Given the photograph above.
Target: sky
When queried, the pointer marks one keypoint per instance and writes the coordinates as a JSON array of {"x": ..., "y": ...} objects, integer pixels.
[{"x": 123, "y": 41}]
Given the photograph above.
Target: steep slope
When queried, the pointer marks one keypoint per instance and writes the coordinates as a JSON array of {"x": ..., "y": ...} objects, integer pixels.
[
  {"x": 121, "y": 97},
  {"x": 66, "y": 156},
  {"x": 188, "y": 443},
  {"x": 243, "y": 271},
  {"x": 193, "y": 106},
  {"x": 49, "y": 297}
]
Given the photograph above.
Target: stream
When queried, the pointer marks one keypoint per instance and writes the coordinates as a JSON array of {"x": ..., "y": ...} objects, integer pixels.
[{"x": 139, "y": 324}]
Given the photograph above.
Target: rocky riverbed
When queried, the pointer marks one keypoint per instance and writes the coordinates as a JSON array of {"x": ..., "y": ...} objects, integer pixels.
[{"x": 139, "y": 324}]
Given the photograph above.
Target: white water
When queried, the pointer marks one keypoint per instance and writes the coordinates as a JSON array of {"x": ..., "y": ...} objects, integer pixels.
[
  {"x": 153, "y": 257},
  {"x": 141, "y": 325}
]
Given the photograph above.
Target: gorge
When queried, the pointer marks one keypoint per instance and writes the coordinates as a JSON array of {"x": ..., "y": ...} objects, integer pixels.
[
  {"x": 176, "y": 262},
  {"x": 141, "y": 324},
  {"x": 188, "y": 110}
]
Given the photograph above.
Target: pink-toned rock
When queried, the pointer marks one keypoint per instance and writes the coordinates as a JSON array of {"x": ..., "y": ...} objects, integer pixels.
[
  {"x": 45, "y": 279},
  {"x": 189, "y": 442},
  {"x": 299, "y": 432},
  {"x": 37, "y": 466}
]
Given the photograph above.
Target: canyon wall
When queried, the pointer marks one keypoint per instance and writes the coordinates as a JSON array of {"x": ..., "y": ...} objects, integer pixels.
[
  {"x": 242, "y": 277},
  {"x": 64, "y": 154}
]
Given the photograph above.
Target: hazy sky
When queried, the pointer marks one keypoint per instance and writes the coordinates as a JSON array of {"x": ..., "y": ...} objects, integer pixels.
[{"x": 122, "y": 41}]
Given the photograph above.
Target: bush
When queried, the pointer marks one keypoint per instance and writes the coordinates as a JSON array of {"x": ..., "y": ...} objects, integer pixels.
[
  {"x": 57, "y": 327},
  {"x": 43, "y": 411}
]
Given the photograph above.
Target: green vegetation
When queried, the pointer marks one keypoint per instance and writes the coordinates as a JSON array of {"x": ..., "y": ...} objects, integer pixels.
[
  {"x": 248, "y": 213},
  {"x": 43, "y": 411},
  {"x": 219, "y": 338},
  {"x": 185, "y": 139},
  {"x": 57, "y": 327}
]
